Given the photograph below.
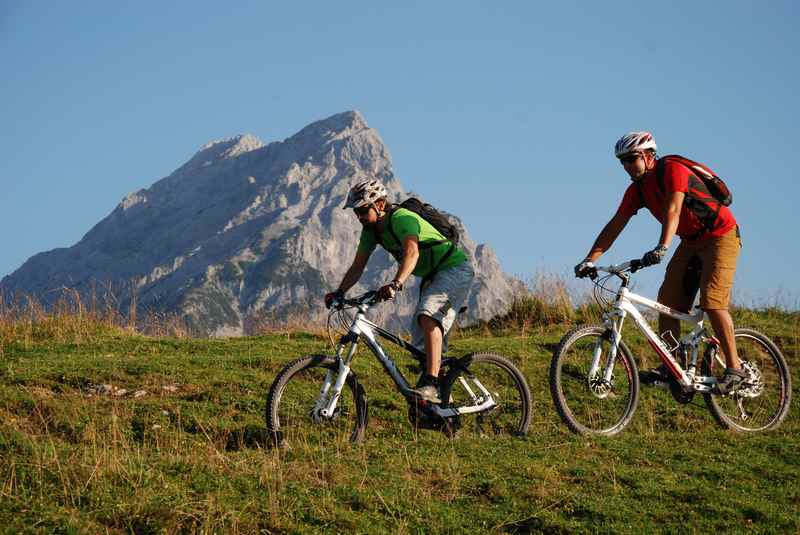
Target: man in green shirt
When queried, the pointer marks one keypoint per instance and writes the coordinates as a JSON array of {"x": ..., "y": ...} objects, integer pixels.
[{"x": 421, "y": 250}]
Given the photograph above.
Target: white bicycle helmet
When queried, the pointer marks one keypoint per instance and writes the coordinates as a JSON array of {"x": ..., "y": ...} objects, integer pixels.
[
  {"x": 365, "y": 193},
  {"x": 634, "y": 142}
]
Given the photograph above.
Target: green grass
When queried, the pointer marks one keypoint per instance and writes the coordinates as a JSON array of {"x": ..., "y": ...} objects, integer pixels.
[{"x": 191, "y": 453}]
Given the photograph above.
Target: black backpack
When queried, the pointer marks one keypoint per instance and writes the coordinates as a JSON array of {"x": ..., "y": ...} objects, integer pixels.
[
  {"x": 437, "y": 219},
  {"x": 708, "y": 193},
  {"x": 713, "y": 183}
]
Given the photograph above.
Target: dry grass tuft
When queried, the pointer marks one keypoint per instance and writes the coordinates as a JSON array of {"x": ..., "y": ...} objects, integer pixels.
[
  {"x": 25, "y": 320},
  {"x": 286, "y": 324},
  {"x": 549, "y": 300}
]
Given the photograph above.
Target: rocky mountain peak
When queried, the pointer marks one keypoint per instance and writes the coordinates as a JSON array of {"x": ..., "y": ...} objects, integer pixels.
[
  {"x": 224, "y": 149},
  {"x": 336, "y": 126},
  {"x": 244, "y": 231}
]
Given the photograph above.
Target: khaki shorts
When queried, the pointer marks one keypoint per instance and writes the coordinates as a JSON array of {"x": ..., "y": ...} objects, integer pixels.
[
  {"x": 708, "y": 265},
  {"x": 441, "y": 298}
]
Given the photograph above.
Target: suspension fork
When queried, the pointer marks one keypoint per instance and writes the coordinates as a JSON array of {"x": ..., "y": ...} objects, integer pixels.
[
  {"x": 615, "y": 326},
  {"x": 329, "y": 393}
]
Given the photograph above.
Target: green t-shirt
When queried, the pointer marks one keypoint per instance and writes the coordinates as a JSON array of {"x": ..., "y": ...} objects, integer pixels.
[{"x": 407, "y": 223}]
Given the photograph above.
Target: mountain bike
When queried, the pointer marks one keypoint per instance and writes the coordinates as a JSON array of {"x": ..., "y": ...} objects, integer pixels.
[
  {"x": 318, "y": 399},
  {"x": 594, "y": 381}
]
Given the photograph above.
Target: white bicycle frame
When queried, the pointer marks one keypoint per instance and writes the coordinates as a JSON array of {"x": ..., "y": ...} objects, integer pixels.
[
  {"x": 363, "y": 328},
  {"x": 626, "y": 305}
]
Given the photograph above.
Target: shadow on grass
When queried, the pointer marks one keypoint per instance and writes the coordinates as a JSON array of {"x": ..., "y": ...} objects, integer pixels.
[{"x": 250, "y": 436}]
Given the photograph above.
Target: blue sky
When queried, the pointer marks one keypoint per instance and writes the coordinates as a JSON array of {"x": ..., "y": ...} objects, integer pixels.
[{"x": 504, "y": 113}]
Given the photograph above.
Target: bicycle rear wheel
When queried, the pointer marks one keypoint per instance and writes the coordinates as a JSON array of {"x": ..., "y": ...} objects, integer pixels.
[
  {"x": 476, "y": 376},
  {"x": 290, "y": 415},
  {"x": 587, "y": 404},
  {"x": 762, "y": 401}
]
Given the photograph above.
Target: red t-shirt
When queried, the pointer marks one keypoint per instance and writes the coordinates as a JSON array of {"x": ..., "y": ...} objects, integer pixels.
[{"x": 676, "y": 178}]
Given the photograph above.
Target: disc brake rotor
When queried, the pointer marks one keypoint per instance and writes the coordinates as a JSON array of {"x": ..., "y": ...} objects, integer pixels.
[{"x": 600, "y": 387}]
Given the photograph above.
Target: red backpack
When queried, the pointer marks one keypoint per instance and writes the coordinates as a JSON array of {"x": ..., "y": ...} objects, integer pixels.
[{"x": 708, "y": 193}]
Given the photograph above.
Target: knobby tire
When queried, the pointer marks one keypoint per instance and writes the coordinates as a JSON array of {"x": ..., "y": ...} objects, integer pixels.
[
  {"x": 291, "y": 399},
  {"x": 584, "y": 409}
]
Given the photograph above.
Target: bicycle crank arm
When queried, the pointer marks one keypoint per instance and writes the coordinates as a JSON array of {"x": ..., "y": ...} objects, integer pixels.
[{"x": 455, "y": 411}]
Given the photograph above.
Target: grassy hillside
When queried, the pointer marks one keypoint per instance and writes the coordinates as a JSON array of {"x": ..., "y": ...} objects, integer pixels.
[{"x": 102, "y": 430}]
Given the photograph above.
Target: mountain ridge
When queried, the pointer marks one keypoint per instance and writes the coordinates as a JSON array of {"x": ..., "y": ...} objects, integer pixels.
[{"x": 246, "y": 228}]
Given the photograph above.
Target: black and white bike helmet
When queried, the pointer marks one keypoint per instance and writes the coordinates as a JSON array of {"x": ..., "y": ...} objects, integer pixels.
[
  {"x": 365, "y": 193},
  {"x": 634, "y": 142}
]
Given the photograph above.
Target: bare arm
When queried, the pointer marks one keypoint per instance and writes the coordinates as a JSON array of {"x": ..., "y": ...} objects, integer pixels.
[
  {"x": 607, "y": 236},
  {"x": 672, "y": 211},
  {"x": 410, "y": 258},
  {"x": 355, "y": 271}
]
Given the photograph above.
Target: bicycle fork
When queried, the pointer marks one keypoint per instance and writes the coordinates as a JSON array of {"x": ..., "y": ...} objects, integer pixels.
[
  {"x": 325, "y": 406},
  {"x": 599, "y": 383}
]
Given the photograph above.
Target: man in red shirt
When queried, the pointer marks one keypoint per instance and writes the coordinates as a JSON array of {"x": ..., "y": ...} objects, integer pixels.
[{"x": 709, "y": 245}]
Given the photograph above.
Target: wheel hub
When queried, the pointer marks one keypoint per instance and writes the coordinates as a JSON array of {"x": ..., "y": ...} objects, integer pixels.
[{"x": 600, "y": 387}]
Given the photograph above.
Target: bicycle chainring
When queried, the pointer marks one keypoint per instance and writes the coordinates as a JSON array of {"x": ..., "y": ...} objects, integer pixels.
[
  {"x": 679, "y": 394},
  {"x": 423, "y": 419}
]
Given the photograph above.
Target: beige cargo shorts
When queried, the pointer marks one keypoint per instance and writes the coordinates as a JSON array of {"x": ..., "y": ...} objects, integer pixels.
[
  {"x": 708, "y": 265},
  {"x": 441, "y": 298}
]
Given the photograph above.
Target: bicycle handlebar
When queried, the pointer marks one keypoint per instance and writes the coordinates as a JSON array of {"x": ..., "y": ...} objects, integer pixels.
[
  {"x": 370, "y": 298},
  {"x": 616, "y": 269},
  {"x": 619, "y": 269}
]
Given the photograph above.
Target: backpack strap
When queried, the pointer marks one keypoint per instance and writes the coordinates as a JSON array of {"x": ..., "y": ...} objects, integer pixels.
[
  {"x": 691, "y": 201},
  {"x": 424, "y": 245},
  {"x": 389, "y": 226},
  {"x": 660, "y": 163},
  {"x": 429, "y": 245},
  {"x": 640, "y": 191}
]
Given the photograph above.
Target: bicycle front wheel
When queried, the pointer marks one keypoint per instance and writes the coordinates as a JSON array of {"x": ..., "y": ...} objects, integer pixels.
[
  {"x": 762, "y": 401},
  {"x": 472, "y": 380},
  {"x": 585, "y": 401},
  {"x": 291, "y": 412}
]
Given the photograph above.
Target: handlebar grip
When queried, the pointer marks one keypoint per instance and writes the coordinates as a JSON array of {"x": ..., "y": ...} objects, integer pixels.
[{"x": 636, "y": 265}]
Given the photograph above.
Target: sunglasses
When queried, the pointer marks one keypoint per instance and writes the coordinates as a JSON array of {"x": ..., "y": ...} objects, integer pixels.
[
  {"x": 629, "y": 158},
  {"x": 362, "y": 211}
]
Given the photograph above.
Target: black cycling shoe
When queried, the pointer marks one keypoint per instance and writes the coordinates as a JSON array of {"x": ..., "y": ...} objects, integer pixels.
[
  {"x": 730, "y": 381},
  {"x": 655, "y": 376}
]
